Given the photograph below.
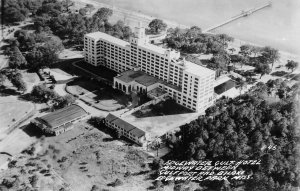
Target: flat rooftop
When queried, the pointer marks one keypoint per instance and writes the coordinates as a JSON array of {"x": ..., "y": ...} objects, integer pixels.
[
  {"x": 160, "y": 125},
  {"x": 156, "y": 92},
  {"x": 100, "y": 35},
  {"x": 138, "y": 76},
  {"x": 197, "y": 69},
  {"x": 153, "y": 48}
]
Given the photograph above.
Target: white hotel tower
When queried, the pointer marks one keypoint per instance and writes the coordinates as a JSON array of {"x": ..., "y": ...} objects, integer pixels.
[{"x": 144, "y": 67}]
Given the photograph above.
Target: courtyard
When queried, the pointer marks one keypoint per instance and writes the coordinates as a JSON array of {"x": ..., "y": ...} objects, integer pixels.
[
  {"x": 98, "y": 94},
  {"x": 168, "y": 107}
]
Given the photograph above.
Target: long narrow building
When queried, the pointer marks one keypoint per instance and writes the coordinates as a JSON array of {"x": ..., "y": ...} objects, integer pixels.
[{"x": 191, "y": 85}]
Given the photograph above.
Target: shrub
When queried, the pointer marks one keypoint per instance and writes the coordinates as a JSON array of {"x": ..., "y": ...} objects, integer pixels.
[
  {"x": 63, "y": 159},
  {"x": 33, "y": 180},
  {"x": 117, "y": 182},
  {"x": 12, "y": 164},
  {"x": 51, "y": 147},
  {"x": 57, "y": 151},
  {"x": 127, "y": 174},
  {"x": 95, "y": 188}
]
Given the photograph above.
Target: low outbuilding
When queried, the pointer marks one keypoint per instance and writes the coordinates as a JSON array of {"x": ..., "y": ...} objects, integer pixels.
[{"x": 60, "y": 121}]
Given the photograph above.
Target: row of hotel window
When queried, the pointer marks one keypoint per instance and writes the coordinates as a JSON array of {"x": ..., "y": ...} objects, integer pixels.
[
  {"x": 137, "y": 58},
  {"x": 103, "y": 44}
]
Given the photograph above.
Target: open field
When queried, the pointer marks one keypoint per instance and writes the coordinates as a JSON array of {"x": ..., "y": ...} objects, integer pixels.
[
  {"x": 30, "y": 79},
  {"x": 81, "y": 158},
  {"x": 86, "y": 156},
  {"x": 12, "y": 110}
]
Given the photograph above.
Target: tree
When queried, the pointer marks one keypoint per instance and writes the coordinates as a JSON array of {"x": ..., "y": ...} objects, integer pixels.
[
  {"x": 103, "y": 14},
  {"x": 67, "y": 4},
  {"x": 64, "y": 101},
  {"x": 26, "y": 41},
  {"x": 43, "y": 94},
  {"x": 255, "y": 50},
  {"x": 291, "y": 65},
  {"x": 83, "y": 11},
  {"x": 242, "y": 85},
  {"x": 16, "y": 59},
  {"x": 90, "y": 8},
  {"x": 12, "y": 14},
  {"x": 224, "y": 38},
  {"x": 2, "y": 78},
  {"x": 52, "y": 9},
  {"x": 157, "y": 184},
  {"x": 44, "y": 55},
  {"x": 262, "y": 69},
  {"x": 95, "y": 188},
  {"x": 156, "y": 26},
  {"x": 221, "y": 61},
  {"x": 245, "y": 50},
  {"x": 232, "y": 50},
  {"x": 269, "y": 55},
  {"x": 18, "y": 82}
]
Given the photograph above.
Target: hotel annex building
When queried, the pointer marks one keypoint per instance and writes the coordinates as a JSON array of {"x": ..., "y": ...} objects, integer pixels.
[{"x": 191, "y": 85}]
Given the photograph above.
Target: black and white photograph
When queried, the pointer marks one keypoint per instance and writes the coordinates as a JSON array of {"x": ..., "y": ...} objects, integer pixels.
[{"x": 150, "y": 95}]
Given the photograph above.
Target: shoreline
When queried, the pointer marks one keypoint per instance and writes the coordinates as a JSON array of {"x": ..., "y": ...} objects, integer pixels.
[{"x": 138, "y": 16}]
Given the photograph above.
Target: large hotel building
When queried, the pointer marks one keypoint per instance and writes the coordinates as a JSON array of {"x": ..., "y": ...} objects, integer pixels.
[{"x": 145, "y": 67}]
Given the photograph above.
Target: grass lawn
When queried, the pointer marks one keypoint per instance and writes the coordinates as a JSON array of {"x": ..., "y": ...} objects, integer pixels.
[
  {"x": 168, "y": 107},
  {"x": 12, "y": 110},
  {"x": 30, "y": 79}
]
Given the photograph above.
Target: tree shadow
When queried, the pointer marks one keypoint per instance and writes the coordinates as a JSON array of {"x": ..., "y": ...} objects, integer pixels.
[{"x": 4, "y": 91}]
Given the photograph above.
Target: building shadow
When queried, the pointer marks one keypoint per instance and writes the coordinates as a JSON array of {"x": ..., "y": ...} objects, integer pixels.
[{"x": 32, "y": 130}]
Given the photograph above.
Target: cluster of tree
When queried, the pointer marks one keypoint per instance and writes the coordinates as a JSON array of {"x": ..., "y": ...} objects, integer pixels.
[
  {"x": 73, "y": 26},
  {"x": 41, "y": 50},
  {"x": 194, "y": 41},
  {"x": 277, "y": 87},
  {"x": 86, "y": 10},
  {"x": 156, "y": 26},
  {"x": 15, "y": 77},
  {"x": 10, "y": 184},
  {"x": 242, "y": 129},
  {"x": 291, "y": 65},
  {"x": 16, "y": 58},
  {"x": 16, "y": 11},
  {"x": 259, "y": 57},
  {"x": 41, "y": 93}
]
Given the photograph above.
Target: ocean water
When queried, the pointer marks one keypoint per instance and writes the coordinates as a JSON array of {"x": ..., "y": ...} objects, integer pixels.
[{"x": 277, "y": 26}]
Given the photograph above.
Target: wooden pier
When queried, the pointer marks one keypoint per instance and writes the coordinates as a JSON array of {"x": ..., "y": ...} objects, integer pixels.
[{"x": 243, "y": 14}]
